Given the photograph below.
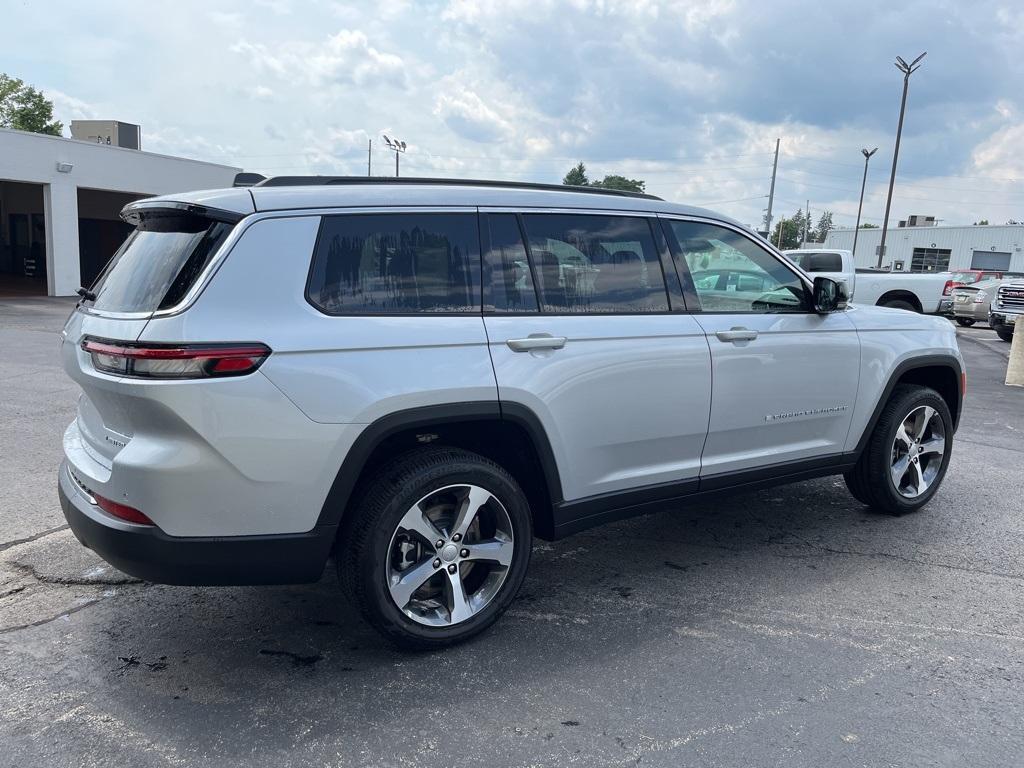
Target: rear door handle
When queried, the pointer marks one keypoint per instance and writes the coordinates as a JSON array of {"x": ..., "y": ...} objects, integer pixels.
[
  {"x": 536, "y": 341},
  {"x": 736, "y": 334}
]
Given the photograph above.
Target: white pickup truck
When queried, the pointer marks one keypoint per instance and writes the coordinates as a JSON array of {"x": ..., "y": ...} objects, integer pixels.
[{"x": 915, "y": 291}]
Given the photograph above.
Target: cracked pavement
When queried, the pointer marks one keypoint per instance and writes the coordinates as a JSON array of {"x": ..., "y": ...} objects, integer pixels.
[{"x": 789, "y": 626}]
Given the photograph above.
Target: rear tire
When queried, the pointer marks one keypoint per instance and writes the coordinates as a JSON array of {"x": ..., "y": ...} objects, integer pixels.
[
  {"x": 965, "y": 322},
  {"x": 446, "y": 533},
  {"x": 1004, "y": 333},
  {"x": 907, "y": 453},
  {"x": 900, "y": 304}
]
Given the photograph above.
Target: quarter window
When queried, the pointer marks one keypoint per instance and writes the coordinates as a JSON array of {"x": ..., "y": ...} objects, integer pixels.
[
  {"x": 397, "y": 263},
  {"x": 595, "y": 264},
  {"x": 732, "y": 274},
  {"x": 508, "y": 282}
]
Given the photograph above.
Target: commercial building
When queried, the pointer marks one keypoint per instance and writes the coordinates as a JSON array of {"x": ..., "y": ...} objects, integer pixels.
[
  {"x": 933, "y": 248},
  {"x": 60, "y": 199}
]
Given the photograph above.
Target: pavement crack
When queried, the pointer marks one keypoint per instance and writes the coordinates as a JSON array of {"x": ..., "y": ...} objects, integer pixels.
[
  {"x": 34, "y": 537},
  {"x": 117, "y": 579},
  {"x": 41, "y": 622}
]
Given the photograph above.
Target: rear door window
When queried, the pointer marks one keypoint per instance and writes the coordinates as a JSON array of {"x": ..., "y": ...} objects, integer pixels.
[
  {"x": 396, "y": 264},
  {"x": 595, "y": 263},
  {"x": 154, "y": 268},
  {"x": 508, "y": 280}
]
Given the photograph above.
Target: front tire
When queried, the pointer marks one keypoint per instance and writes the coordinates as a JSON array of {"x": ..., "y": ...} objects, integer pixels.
[
  {"x": 907, "y": 454},
  {"x": 1005, "y": 333},
  {"x": 437, "y": 547},
  {"x": 965, "y": 322}
]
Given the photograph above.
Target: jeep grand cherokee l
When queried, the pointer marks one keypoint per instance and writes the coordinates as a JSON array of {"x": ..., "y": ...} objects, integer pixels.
[{"x": 422, "y": 376}]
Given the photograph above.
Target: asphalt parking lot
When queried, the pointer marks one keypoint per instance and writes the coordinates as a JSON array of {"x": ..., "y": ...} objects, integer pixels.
[{"x": 785, "y": 627}]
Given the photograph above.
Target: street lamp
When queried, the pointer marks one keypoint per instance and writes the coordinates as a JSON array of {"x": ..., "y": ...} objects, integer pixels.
[
  {"x": 397, "y": 146},
  {"x": 907, "y": 70},
  {"x": 867, "y": 156}
]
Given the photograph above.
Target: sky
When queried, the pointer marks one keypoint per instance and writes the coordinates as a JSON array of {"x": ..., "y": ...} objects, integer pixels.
[{"x": 688, "y": 96}]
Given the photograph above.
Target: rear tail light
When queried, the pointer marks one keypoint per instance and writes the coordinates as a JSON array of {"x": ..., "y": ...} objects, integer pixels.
[
  {"x": 949, "y": 287},
  {"x": 175, "y": 361},
  {"x": 121, "y": 511}
]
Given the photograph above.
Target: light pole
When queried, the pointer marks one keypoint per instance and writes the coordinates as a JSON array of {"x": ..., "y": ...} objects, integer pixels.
[
  {"x": 397, "y": 146},
  {"x": 907, "y": 70},
  {"x": 860, "y": 206}
]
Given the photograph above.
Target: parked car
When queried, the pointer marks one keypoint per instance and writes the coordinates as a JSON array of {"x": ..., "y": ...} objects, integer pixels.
[
  {"x": 966, "y": 277},
  {"x": 422, "y": 376},
  {"x": 971, "y": 303},
  {"x": 914, "y": 291},
  {"x": 1007, "y": 309}
]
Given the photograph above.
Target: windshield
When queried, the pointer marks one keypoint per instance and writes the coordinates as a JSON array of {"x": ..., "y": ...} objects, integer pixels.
[{"x": 154, "y": 269}]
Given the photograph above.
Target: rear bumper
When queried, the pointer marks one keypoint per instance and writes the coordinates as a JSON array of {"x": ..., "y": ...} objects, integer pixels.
[
  {"x": 945, "y": 306},
  {"x": 148, "y": 553}
]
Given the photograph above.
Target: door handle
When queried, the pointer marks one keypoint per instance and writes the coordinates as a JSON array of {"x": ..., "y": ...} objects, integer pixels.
[
  {"x": 536, "y": 341},
  {"x": 736, "y": 334}
]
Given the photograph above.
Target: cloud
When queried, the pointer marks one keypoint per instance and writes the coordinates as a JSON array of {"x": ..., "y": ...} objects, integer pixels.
[{"x": 346, "y": 59}]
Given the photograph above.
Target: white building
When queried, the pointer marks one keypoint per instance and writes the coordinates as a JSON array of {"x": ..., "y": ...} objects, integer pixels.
[
  {"x": 60, "y": 199},
  {"x": 937, "y": 249}
]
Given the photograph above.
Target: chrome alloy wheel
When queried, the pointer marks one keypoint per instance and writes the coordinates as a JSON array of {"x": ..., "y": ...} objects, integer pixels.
[
  {"x": 917, "y": 451},
  {"x": 450, "y": 555}
]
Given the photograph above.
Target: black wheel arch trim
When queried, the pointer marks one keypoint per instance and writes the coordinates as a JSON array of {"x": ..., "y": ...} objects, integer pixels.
[
  {"x": 349, "y": 474},
  {"x": 914, "y": 363}
]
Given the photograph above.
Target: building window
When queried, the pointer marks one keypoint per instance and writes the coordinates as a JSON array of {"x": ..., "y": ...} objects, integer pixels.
[
  {"x": 997, "y": 261},
  {"x": 930, "y": 260}
]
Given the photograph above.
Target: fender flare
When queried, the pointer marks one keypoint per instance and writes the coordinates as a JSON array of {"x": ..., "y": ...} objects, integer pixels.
[
  {"x": 925, "y": 361},
  {"x": 426, "y": 417}
]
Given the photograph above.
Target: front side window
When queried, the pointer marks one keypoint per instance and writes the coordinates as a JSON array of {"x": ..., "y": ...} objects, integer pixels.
[
  {"x": 396, "y": 264},
  {"x": 595, "y": 264},
  {"x": 732, "y": 274}
]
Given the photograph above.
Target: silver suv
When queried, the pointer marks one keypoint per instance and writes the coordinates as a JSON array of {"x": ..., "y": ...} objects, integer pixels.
[{"x": 420, "y": 376}]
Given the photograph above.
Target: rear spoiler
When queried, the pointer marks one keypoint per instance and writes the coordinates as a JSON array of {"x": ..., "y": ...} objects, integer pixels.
[{"x": 169, "y": 216}]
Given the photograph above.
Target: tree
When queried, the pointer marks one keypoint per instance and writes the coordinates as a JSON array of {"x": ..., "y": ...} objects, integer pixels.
[
  {"x": 24, "y": 108},
  {"x": 869, "y": 226},
  {"x": 792, "y": 232},
  {"x": 824, "y": 225},
  {"x": 620, "y": 182},
  {"x": 1013, "y": 222},
  {"x": 982, "y": 223},
  {"x": 577, "y": 177}
]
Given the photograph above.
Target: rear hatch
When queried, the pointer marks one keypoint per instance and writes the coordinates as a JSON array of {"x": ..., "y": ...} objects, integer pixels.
[{"x": 159, "y": 268}]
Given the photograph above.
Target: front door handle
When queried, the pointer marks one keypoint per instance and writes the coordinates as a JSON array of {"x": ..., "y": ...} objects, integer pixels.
[
  {"x": 536, "y": 341},
  {"x": 736, "y": 334}
]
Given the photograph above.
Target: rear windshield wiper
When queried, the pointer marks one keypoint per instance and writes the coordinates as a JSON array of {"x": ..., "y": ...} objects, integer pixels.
[{"x": 86, "y": 294}]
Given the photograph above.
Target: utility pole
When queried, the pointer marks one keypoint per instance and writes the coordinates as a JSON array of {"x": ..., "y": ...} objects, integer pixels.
[
  {"x": 856, "y": 230},
  {"x": 369, "y": 157},
  {"x": 807, "y": 224},
  {"x": 771, "y": 193},
  {"x": 907, "y": 70}
]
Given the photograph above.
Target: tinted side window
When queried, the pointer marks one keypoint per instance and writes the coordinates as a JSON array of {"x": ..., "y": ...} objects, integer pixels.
[
  {"x": 732, "y": 274},
  {"x": 396, "y": 263},
  {"x": 590, "y": 263},
  {"x": 508, "y": 282}
]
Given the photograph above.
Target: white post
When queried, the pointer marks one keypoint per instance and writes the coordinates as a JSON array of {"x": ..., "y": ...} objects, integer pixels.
[
  {"x": 1015, "y": 368},
  {"x": 63, "y": 264}
]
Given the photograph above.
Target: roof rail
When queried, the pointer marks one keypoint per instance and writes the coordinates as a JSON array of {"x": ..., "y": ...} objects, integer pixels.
[{"x": 302, "y": 181}]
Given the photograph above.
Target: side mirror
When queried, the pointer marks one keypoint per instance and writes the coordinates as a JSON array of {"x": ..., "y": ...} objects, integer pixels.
[{"x": 829, "y": 295}]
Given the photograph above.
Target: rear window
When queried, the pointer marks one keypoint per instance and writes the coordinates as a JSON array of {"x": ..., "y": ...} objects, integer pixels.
[
  {"x": 396, "y": 264},
  {"x": 821, "y": 261},
  {"x": 154, "y": 269}
]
